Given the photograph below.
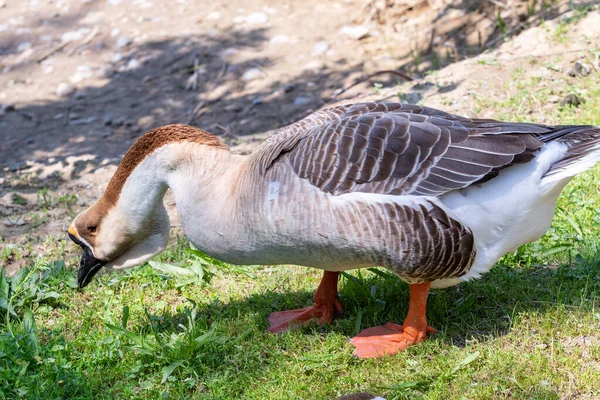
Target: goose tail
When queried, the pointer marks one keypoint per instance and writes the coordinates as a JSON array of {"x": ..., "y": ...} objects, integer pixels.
[{"x": 583, "y": 152}]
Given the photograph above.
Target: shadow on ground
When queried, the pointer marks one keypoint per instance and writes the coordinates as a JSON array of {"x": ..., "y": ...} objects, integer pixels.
[{"x": 148, "y": 90}]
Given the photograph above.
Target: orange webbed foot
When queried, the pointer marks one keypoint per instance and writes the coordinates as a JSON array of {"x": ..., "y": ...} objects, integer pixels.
[
  {"x": 387, "y": 339},
  {"x": 282, "y": 321},
  {"x": 327, "y": 304}
]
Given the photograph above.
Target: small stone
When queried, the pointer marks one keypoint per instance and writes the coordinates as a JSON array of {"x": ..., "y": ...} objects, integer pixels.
[
  {"x": 105, "y": 71},
  {"x": 579, "y": 69},
  {"x": 30, "y": 141},
  {"x": 213, "y": 15},
  {"x": 238, "y": 19},
  {"x": 18, "y": 166},
  {"x": 74, "y": 35},
  {"x": 314, "y": 64},
  {"x": 14, "y": 222},
  {"x": 256, "y": 101},
  {"x": 83, "y": 121},
  {"x": 572, "y": 100},
  {"x": 23, "y": 46},
  {"x": 82, "y": 73},
  {"x": 355, "y": 31},
  {"x": 320, "y": 48},
  {"x": 118, "y": 56},
  {"x": 122, "y": 41},
  {"x": 228, "y": 53},
  {"x": 279, "y": 39},
  {"x": 133, "y": 64},
  {"x": 288, "y": 87},
  {"x": 79, "y": 95},
  {"x": 257, "y": 18},
  {"x": 107, "y": 120},
  {"x": 301, "y": 100},
  {"x": 64, "y": 89},
  {"x": 251, "y": 74},
  {"x": 119, "y": 121},
  {"x": 4, "y": 108}
]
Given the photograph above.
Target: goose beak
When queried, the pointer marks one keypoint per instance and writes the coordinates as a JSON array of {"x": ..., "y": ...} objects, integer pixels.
[{"x": 88, "y": 264}]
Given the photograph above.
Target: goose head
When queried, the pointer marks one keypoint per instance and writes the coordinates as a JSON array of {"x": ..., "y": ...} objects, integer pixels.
[
  {"x": 116, "y": 238},
  {"x": 129, "y": 224}
]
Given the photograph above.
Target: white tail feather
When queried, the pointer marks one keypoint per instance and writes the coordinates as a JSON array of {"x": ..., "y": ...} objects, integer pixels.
[{"x": 589, "y": 160}]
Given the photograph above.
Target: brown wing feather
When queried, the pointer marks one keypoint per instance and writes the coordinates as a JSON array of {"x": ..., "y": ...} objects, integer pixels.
[{"x": 393, "y": 148}]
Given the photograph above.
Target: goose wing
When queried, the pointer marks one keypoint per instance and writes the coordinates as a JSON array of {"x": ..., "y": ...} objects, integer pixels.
[{"x": 393, "y": 148}]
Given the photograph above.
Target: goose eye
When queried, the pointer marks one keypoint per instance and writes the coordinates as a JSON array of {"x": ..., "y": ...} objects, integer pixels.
[{"x": 92, "y": 229}]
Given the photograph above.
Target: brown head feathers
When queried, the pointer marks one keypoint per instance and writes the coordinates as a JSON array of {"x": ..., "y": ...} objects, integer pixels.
[{"x": 149, "y": 143}]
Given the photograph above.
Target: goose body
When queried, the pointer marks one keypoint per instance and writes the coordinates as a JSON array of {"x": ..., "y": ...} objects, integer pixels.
[{"x": 433, "y": 197}]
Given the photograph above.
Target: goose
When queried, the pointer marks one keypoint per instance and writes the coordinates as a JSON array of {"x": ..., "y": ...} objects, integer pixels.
[{"x": 433, "y": 197}]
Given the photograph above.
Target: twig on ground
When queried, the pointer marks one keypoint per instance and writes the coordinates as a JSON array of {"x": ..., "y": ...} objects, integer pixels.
[
  {"x": 227, "y": 131},
  {"x": 51, "y": 52},
  {"x": 85, "y": 41},
  {"x": 361, "y": 80}
]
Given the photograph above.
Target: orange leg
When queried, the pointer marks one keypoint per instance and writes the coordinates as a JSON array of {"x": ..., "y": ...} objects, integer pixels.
[
  {"x": 326, "y": 305},
  {"x": 391, "y": 338}
]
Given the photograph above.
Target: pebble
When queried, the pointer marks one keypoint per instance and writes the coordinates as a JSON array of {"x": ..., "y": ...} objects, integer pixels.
[
  {"x": 355, "y": 31},
  {"x": 83, "y": 121},
  {"x": 107, "y": 120},
  {"x": 118, "y": 56},
  {"x": 288, "y": 87},
  {"x": 74, "y": 35},
  {"x": 257, "y": 18},
  {"x": 23, "y": 46},
  {"x": 18, "y": 166},
  {"x": 134, "y": 63},
  {"x": 251, "y": 74},
  {"x": 105, "y": 71},
  {"x": 4, "y": 108},
  {"x": 213, "y": 15},
  {"x": 279, "y": 39},
  {"x": 321, "y": 48},
  {"x": 228, "y": 53},
  {"x": 314, "y": 64},
  {"x": 64, "y": 89},
  {"x": 301, "y": 100},
  {"x": 82, "y": 73},
  {"x": 10, "y": 222},
  {"x": 579, "y": 69},
  {"x": 256, "y": 101},
  {"x": 572, "y": 100},
  {"x": 122, "y": 41}
]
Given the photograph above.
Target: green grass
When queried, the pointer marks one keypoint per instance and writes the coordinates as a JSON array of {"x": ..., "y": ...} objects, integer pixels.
[{"x": 528, "y": 329}]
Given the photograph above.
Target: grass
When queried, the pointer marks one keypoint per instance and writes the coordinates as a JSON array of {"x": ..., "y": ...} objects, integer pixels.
[{"x": 530, "y": 329}]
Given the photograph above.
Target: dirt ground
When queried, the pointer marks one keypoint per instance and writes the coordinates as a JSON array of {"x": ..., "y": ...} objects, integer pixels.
[{"x": 81, "y": 80}]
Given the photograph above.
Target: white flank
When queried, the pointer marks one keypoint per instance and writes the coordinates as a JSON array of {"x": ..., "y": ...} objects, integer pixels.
[{"x": 508, "y": 211}]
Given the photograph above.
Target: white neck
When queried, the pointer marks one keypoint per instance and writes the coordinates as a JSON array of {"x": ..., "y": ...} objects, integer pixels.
[{"x": 202, "y": 179}]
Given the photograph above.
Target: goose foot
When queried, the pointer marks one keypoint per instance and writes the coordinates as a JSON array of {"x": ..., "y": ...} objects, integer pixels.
[
  {"x": 327, "y": 304},
  {"x": 391, "y": 338},
  {"x": 387, "y": 339}
]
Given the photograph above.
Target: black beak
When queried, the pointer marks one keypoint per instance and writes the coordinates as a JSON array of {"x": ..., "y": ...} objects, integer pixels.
[{"x": 88, "y": 265}]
